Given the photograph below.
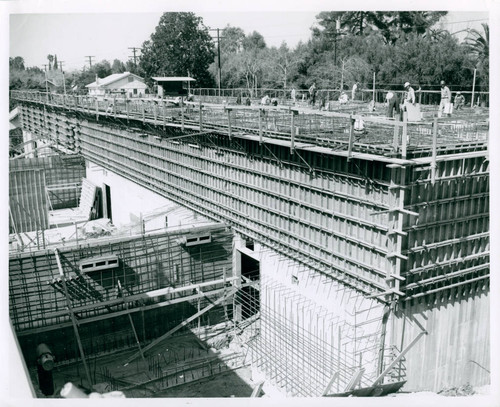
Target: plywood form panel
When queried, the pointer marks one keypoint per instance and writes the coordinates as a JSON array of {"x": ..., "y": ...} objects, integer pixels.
[
  {"x": 457, "y": 322},
  {"x": 28, "y": 201}
]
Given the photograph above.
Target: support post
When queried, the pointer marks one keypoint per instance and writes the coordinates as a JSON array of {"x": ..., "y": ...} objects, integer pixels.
[
  {"x": 229, "y": 122},
  {"x": 261, "y": 112},
  {"x": 120, "y": 290},
  {"x": 201, "y": 117},
  {"x": 96, "y": 109},
  {"x": 398, "y": 358},
  {"x": 434, "y": 150},
  {"x": 404, "y": 137},
  {"x": 385, "y": 318},
  {"x": 473, "y": 88},
  {"x": 351, "y": 141},
  {"x": 182, "y": 113},
  {"x": 330, "y": 383},
  {"x": 72, "y": 316},
  {"x": 395, "y": 141},
  {"x": 292, "y": 131}
]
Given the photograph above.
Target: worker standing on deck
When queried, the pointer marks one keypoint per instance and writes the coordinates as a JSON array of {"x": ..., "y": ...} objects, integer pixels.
[
  {"x": 459, "y": 101},
  {"x": 445, "y": 104},
  {"x": 354, "y": 89},
  {"x": 312, "y": 94},
  {"x": 409, "y": 94}
]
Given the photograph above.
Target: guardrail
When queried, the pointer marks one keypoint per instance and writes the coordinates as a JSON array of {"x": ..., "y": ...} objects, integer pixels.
[{"x": 295, "y": 124}]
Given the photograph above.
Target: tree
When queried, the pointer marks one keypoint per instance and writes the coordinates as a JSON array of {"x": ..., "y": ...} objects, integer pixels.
[
  {"x": 282, "y": 60},
  {"x": 478, "y": 47},
  {"x": 102, "y": 69},
  {"x": 392, "y": 25},
  {"x": 16, "y": 63},
  {"x": 180, "y": 44},
  {"x": 118, "y": 66},
  {"x": 254, "y": 40},
  {"x": 232, "y": 40}
]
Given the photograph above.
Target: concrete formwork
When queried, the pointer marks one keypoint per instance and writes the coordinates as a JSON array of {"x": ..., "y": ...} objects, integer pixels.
[{"x": 356, "y": 222}]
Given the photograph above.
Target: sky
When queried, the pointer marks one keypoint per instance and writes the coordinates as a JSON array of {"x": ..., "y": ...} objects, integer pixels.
[{"x": 75, "y": 36}]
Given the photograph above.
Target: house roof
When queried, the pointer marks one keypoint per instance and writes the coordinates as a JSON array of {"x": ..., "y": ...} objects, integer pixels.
[
  {"x": 172, "y": 78},
  {"x": 134, "y": 85},
  {"x": 110, "y": 79}
]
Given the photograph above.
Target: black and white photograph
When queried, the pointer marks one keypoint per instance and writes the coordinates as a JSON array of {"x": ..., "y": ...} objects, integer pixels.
[{"x": 216, "y": 202}]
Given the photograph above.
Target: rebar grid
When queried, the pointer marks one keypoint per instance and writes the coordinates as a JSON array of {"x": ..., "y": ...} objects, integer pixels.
[
  {"x": 312, "y": 126},
  {"x": 297, "y": 342}
]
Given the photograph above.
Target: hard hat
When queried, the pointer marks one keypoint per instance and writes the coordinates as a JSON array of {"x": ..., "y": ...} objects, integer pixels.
[
  {"x": 442, "y": 83},
  {"x": 458, "y": 93},
  {"x": 407, "y": 84}
]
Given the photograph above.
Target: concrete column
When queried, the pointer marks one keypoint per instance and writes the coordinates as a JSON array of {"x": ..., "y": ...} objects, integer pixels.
[{"x": 29, "y": 147}]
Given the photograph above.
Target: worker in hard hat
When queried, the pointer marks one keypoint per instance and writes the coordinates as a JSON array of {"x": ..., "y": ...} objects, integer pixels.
[
  {"x": 459, "y": 101},
  {"x": 409, "y": 96},
  {"x": 445, "y": 105}
]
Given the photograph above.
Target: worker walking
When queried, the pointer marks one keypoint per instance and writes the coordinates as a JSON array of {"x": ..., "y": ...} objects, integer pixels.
[{"x": 445, "y": 105}]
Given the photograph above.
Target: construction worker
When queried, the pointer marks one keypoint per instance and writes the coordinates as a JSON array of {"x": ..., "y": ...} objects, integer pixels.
[
  {"x": 459, "y": 101},
  {"x": 354, "y": 89},
  {"x": 312, "y": 94},
  {"x": 343, "y": 99},
  {"x": 445, "y": 105},
  {"x": 292, "y": 95},
  {"x": 409, "y": 96},
  {"x": 392, "y": 100},
  {"x": 266, "y": 100},
  {"x": 410, "y": 104}
]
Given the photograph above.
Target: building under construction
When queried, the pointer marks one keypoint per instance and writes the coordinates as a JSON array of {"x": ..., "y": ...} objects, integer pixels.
[{"x": 155, "y": 245}]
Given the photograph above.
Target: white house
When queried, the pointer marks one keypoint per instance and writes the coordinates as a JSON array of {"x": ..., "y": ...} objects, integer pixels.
[{"x": 118, "y": 83}]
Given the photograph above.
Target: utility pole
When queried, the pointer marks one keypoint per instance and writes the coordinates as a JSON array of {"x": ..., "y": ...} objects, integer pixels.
[
  {"x": 90, "y": 59},
  {"x": 219, "y": 73},
  {"x": 218, "y": 59},
  {"x": 61, "y": 63},
  {"x": 134, "y": 50},
  {"x": 46, "y": 80},
  {"x": 337, "y": 29},
  {"x": 473, "y": 89}
]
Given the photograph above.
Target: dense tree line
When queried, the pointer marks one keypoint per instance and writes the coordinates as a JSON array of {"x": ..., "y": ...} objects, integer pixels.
[{"x": 344, "y": 48}]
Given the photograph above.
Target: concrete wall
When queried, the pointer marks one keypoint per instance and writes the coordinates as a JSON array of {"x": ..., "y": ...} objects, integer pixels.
[
  {"x": 132, "y": 203},
  {"x": 456, "y": 350}
]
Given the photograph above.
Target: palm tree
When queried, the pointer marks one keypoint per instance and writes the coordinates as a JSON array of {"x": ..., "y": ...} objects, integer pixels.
[
  {"x": 50, "y": 58},
  {"x": 479, "y": 44}
]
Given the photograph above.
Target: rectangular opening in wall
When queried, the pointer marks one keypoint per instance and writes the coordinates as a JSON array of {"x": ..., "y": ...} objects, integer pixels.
[
  {"x": 249, "y": 296},
  {"x": 107, "y": 203}
]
